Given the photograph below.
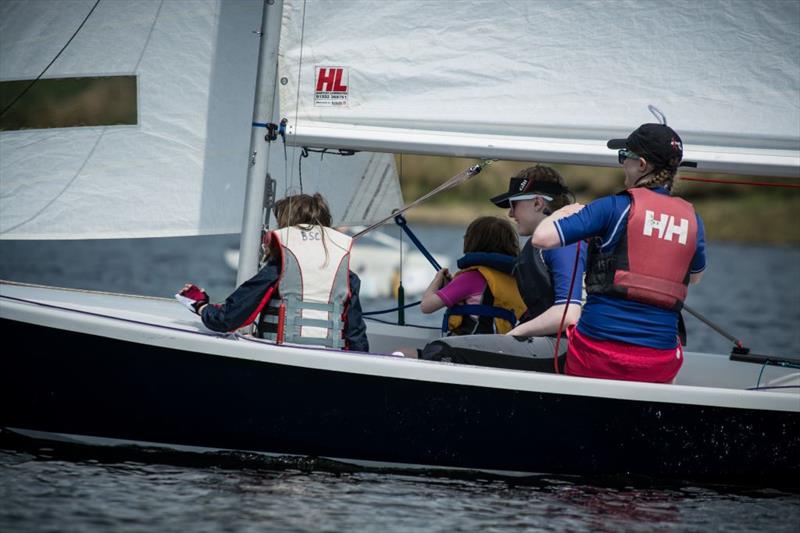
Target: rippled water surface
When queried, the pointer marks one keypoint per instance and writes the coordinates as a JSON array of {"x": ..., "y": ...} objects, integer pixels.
[
  {"x": 752, "y": 291},
  {"x": 42, "y": 492}
]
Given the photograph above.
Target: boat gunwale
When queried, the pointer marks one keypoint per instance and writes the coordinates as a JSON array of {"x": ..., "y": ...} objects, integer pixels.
[{"x": 193, "y": 337}]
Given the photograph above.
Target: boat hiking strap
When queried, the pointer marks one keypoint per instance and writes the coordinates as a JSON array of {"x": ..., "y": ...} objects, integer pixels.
[{"x": 459, "y": 178}]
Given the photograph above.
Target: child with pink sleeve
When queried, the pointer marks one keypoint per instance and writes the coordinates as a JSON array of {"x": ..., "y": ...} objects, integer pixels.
[{"x": 490, "y": 248}]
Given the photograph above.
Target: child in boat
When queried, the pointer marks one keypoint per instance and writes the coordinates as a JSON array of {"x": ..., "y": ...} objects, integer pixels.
[
  {"x": 304, "y": 294},
  {"x": 482, "y": 297}
]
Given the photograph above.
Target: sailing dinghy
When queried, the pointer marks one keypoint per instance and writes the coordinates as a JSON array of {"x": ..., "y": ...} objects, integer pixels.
[{"x": 521, "y": 81}]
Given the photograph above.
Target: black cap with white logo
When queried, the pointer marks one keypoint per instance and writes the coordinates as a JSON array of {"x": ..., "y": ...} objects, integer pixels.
[
  {"x": 521, "y": 188},
  {"x": 657, "y": 143}
]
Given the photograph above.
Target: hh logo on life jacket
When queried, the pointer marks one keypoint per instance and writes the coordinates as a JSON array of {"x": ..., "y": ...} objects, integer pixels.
[
  {"x": 665, "y": 226},
  {"x": 331, "y": 87}
]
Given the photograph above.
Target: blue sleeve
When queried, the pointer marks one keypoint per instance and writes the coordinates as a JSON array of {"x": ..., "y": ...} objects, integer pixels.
[
  {"x": 595, "y": 219},
  {"x": 356, "y": 331},
  {"x": 238, "y": 309},
  {"x": 699, "y": 259},
  {"x": 561, "y": 261}
]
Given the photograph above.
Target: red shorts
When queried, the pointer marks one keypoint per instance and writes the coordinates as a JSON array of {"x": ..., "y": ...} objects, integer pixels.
[{"x": 594, "y": 358}]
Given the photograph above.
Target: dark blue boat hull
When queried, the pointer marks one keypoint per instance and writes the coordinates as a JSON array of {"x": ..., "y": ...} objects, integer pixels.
[{"x": 68, "y": 382}]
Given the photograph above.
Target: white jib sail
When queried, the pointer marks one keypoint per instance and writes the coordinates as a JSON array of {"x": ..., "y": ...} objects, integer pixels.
[
  {"x": 547, "y": 81},
  {"x": 181, "y": 169}
]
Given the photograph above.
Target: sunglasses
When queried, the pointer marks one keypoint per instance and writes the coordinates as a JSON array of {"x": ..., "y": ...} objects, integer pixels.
[{"x": 623, "y": 154}]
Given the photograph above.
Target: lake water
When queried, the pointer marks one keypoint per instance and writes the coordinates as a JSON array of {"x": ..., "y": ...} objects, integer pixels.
[{"x": 751, "y": 291}]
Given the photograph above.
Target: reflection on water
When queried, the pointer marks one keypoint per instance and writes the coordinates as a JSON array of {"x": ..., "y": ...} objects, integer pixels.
[{"x": 43, "y": 490}]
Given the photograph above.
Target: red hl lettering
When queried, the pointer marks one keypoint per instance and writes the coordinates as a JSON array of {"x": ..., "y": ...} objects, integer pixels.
[
  {"x": 330, "y": 79},
  {"x": 665, "y": 226}
]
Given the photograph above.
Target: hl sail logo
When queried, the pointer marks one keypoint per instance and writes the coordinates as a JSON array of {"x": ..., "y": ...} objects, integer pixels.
[
  {"x": 331, "y": 87},
  {"x": 665, "y": 226}
]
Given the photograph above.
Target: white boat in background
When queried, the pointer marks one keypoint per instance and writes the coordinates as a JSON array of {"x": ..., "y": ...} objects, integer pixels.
[{"x": 525, "y": 81}]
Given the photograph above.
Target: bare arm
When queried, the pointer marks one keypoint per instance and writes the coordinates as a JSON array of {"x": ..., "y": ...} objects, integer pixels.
[
  {"x": 546, "y": 234},
  {"x": 547, "y": 322},
  {"x": 430, "y": 300},
  {"x": 695, "y": 278}
]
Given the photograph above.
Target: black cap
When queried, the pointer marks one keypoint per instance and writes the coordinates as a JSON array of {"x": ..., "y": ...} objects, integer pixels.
[
  {"x": 657, "y": 143},
  {"x": 523, "y": 186}
]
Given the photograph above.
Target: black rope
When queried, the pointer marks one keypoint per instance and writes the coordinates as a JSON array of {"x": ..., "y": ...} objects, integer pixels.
[
  {"x": 112, "y": 317},
  {"x": 405, "y": 325},
  {"x": 392, "y": 309},
  {"x": 306, "y": 150},
  {"x": 31, "y": 84}
]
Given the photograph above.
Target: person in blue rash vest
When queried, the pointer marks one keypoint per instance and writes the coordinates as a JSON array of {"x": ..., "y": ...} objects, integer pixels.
[
  {"x": 647, "y": 247},
  {"x": 304, "y": 294}
]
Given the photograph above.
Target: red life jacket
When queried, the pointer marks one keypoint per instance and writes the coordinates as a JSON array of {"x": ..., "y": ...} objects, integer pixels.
[{"x": 651, "y": 261}]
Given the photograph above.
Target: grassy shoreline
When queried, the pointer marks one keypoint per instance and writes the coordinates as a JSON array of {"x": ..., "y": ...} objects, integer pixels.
[{"x": 731, "y": 213}]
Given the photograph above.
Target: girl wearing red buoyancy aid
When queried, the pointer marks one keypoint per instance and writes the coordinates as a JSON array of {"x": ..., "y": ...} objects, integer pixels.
[{"x": 646, "y": 247}]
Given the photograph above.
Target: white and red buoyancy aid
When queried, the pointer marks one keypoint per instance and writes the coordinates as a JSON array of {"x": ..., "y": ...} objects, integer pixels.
[
  {"x": 309, "y": 305},
  {"x": 651, "y": 262}
]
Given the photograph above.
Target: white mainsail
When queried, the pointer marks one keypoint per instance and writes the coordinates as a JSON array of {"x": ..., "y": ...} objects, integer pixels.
[
  {"x": 546, "y": 81},
  {"x": 182, "y": 168}
]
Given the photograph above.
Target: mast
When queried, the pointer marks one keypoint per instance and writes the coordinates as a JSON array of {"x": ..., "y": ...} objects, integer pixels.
[{"x": 263, "y": 111}]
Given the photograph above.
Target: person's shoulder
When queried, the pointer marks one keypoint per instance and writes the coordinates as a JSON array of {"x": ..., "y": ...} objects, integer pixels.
[
  {"x": 471, "y": 275},
  {"x": 607, "y": 209}
]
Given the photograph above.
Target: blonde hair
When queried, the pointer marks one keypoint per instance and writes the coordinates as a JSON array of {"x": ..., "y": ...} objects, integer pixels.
[
  {"x": 492, "y": 235},
  {"x": 664, "y": 177},
  {"x": 545, "y": 174}
]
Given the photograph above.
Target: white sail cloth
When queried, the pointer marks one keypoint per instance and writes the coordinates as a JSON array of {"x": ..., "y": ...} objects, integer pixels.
[
  {"x": 547, "y": 81},
  {"x": 182, "y": 169}
]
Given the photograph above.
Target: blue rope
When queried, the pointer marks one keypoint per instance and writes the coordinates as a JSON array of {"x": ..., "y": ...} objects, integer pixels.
[{"x": 401, "y": 221}]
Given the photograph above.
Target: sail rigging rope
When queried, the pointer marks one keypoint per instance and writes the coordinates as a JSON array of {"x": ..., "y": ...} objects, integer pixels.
[
  {"x": 566, "y": 309},
  {"x": 112, "y": 317},
  {"x": 437, "y": 328},
  {"x": 459, "y": 178},
  {"x": 741, "y": 182},
  {"x": 32, "y": 83},
  {"x": 289, "y": 175}
]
